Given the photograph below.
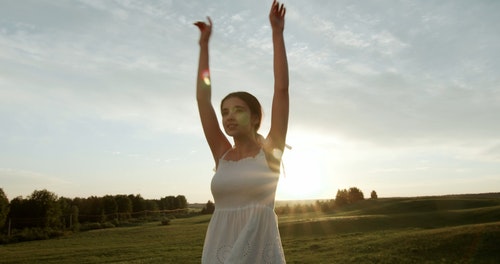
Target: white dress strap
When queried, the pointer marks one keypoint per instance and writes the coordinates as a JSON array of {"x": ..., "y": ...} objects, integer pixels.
[
  {"x": 225, "y": 153},
  {"x": 221, "y": 158}
]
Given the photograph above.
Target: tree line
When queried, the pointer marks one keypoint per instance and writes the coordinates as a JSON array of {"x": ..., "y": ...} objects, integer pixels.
[
  {"x": 43, "y": 212},
  {"x": 344, "y": 197}
]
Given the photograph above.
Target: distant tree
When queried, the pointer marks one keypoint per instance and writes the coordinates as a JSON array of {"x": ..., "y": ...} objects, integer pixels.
[
  {"x": 138, "y": 203},
  {"x": 110, "y": 207},
  {"x": 350, "y": 196},
  {"x": 75, "y": 222},
  {"x": 355, "y": 195},
  {"x": 18, "y": 209},
  {"x": 4, "y": 208},
  {"x": 167, "y": 203},
  {"x": 170, "y": 202},
  {"x": 66, "y": 209},
  {"x": 283, "y": 210},
  {"x": 373, "y": 195},
  {"x": 181, "y": 202},
  {"x": 342, "y": 198},
  {"x": 123, "y": 206},
  {"x": 209, "y": 208},
  {"x": 43, "y": 204},
  {"x": 89, "y": 209},
  {"x": 326, "y": 206},
  {"x": 151, "y": 205}
]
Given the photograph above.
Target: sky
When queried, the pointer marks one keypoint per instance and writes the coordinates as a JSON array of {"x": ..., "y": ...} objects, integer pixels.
[{"x": 400, "y": 97}]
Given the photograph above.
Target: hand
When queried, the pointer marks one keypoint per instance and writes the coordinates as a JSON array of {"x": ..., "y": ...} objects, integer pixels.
[
  {"x": 205, "y": 30},
  {"x": 277, "y": 16}
]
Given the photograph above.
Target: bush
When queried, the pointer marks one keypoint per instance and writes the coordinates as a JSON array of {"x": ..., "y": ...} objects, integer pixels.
[
  {"x": 90, "y": 226},
  {"x": 29, "y": 234},
  {"x": 165, "y": 221},
  {"x": 3, "y": 239},
  {"x": 209, "y": 208},
  {"x": 108, "y": 225},
  {"x": 115, "y": 222}
]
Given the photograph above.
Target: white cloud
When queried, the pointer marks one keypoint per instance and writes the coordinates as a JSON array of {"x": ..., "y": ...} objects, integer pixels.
[{"x": 387, "y": 43}]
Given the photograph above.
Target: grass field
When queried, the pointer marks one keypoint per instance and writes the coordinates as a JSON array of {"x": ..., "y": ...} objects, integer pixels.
[{"x": 395, "y": 230}]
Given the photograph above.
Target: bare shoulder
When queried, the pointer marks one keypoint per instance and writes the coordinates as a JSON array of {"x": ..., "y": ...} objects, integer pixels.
[{"x": 273, "y": 154}]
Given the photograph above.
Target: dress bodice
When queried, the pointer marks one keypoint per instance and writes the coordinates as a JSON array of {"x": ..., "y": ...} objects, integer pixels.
[{"x": 245, "y": 182}]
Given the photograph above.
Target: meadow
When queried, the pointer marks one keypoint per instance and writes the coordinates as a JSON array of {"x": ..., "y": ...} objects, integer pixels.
[{"x": 454, "y": 229}]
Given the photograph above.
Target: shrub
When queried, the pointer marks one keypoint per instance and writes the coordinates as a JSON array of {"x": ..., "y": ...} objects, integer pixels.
[
  {"x": 165, "y": 221},
  {"x": 108, "y": 225},
  {"x": 90, "y": 226}
]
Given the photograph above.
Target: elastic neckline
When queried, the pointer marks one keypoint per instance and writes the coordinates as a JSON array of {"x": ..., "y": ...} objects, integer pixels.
[{"x": 261, "y": 151}]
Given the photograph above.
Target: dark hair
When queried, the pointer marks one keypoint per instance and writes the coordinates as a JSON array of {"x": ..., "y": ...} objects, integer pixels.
[{"x": 252, "y": 103}]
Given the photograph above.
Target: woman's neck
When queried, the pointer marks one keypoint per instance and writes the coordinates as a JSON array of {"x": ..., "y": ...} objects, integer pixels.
[{"x": 245, "y": 148}]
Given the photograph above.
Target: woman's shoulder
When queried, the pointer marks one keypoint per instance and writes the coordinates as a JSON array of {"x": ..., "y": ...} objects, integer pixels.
[{"x": 273, "y": 155}]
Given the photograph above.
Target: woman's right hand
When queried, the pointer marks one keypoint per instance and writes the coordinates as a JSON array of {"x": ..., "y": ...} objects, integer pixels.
[
  {"x": 205, "y": 30},
  {"x": 277, "y": 16}
]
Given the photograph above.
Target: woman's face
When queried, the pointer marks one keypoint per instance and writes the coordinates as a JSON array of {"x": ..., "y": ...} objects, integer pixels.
[{"x": 236, "y": 117}]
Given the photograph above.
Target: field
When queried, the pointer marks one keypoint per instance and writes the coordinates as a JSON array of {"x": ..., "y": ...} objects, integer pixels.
[{"x": 455, "y": 229}]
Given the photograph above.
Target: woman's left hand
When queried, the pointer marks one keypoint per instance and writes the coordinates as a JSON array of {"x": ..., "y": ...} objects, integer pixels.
[{"x": 205, "y": 30}]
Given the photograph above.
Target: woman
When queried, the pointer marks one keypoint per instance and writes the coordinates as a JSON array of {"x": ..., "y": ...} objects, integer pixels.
[{"x": 244, "y": 228}]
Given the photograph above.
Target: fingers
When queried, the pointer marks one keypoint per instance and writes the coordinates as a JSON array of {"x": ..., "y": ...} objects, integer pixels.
[
  {"x": 282, "y": 10},
  {"x": 278, "y": 9},
  {"x": 273, "y": 7},
  {"x": 202, "y": 25}
]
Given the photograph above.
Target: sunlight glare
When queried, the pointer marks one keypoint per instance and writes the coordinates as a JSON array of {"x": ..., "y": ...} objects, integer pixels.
[
  {"x": 205, "y": 76},
  {"x": 302, "y": 176},
  {"x": 310, "y": 168}
]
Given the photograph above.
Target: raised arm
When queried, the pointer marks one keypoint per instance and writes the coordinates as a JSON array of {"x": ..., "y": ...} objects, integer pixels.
[
  {"x": 215, "y": 137},
  {"x": 280, "y": 106}
]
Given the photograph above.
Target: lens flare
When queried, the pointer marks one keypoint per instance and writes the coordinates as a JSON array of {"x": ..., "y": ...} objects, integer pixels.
[
  {"x": 277, "y": 153},
  {"x": 205, "y": 76}
]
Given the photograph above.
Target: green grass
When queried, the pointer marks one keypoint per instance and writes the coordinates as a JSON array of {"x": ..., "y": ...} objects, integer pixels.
[
  {"x": 464, "y": 244},
  {"x": 397, "y": 230}
]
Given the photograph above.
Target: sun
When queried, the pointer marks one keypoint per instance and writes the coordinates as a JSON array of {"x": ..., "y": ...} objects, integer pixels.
[{"x": 302, "y": 175}]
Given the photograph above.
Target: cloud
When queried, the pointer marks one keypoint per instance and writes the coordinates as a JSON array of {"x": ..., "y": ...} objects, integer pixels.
[
  {"x": 374, "y": 80},
  {"x": 91, "y": 72}
]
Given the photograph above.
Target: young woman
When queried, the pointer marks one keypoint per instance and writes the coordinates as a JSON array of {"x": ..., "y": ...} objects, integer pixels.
[{"x": 244, "y": 227}]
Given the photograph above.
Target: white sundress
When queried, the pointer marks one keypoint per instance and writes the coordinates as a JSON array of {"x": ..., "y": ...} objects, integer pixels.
[{"x": 244, "y": 226}]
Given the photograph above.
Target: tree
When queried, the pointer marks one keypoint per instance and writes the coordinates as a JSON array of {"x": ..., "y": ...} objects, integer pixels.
[
  {"x": 90, "y": 209},
  {"x": 167, "y": 203},
  {"x": 342, "y": 198},
  {"x": 18, "y": 209},
  {"x": 374, "y": 195},
  {"x": 151, "y": 205},
  {"x": 65, "y": 204},
  {"x": 4, "y": 208},
  {"x": 181, "y": 202},
  {"x": 350, "y": 196},
  {"x": 355, "y": 195},
  {"x": 74, "y": 218},
  {"x": 43, "y": 204},
  {"x": 124, "y": 206},
  {"x": 209, "y": 208},
  {"x": 109, "y": 206},
  {"x": 138, "y": 203}
]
